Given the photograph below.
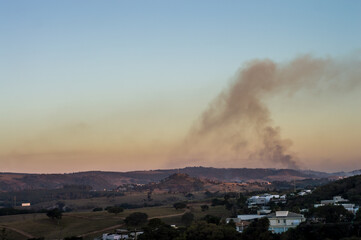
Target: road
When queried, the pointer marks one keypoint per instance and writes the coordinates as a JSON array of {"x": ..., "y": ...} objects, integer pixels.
[{"x": 25, "y": 234}]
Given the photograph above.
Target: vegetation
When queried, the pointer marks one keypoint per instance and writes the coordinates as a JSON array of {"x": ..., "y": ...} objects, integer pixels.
[
  {"x": 158, "y": 230},
  {"x": 55, "y": 213},
  {"x": 187, "y": 218},
  {"x": 331, "y": 214},
  {"x": 136, "y": 219},
  {"x": 179, "y": 205},
  {"x": 210, "y": 231},
  {"x": 13, "y": 211},
  {"x": 349, "y": 188},
  {"x": 45, "y": 195},
  {"x": 115, "y": 209},
  {"x": 3, "y": 234},
  {"x": 204, "y": 207}
]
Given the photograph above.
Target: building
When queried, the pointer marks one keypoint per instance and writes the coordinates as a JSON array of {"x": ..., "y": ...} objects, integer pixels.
[
  {"x": 121, "y": 235},
  {"x": 339, "y": 201},
  {"x": 262, "y": 200},
  {"x": 281, "y": 221},
  {"x": 334, "y": 200},
  {"x": 242, "y": 221},
  {"x": 350, "y": 207}
]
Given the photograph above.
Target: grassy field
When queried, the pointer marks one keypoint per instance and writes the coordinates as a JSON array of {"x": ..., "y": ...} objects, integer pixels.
[
  {"x": 77, "y": 223},
  {"x": 86, "y": 222},
  {"x": 11, "y": 234}
]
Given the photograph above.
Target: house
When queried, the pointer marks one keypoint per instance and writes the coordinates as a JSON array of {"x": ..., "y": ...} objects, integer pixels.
[
  {"x": 261, "y": 200},
  {"x": 281, "y": 221},
  {"x": 338, "y": 200},
  {"x": 114, "y": 236},
  {"x": 351, "y": 207},
  {"x": 242, "y": 221},
  {"x": 120, "y": 235},
  {"x": 348, "y": 206},
  {"x": 334, "y": 200}
]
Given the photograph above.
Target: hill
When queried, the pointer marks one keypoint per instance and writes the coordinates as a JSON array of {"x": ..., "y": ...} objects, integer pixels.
[
  {"x": 99, "y": 180},
  {"x": 349, "y": 188},
  {"x": 179, "y": 182}
]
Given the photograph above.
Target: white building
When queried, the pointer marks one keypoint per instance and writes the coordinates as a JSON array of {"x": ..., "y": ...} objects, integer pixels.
[
  {"x": 339, "y": 201},
  {"x": 334, "y": 200},
  {"x": 242, "y": 221},
  {"x": 281, "y": 221},
  {"x": 107, "y": 236},
  {"x": 120, "y": 235},
  {"x": 350, "y": 207},
  {"x": 263, "y": 199}
]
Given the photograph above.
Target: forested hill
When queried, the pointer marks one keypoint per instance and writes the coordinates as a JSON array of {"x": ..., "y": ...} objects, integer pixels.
[{"x": 349, "y": 188}]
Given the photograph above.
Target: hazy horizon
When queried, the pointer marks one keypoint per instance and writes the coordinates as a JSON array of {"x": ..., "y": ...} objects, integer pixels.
[{"x": 121, "y": 86}]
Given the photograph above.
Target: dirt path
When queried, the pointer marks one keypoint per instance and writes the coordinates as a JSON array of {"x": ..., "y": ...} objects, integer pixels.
[
  {"x": 25, "y": 234},
  {"x": 100, "y": 231},
  {"x": 171, "y": 215},
  {"x": 92, "y": 218}
]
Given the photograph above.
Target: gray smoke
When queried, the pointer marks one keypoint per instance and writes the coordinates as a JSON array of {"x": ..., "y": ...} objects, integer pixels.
[{"x": 241, "y": 109}]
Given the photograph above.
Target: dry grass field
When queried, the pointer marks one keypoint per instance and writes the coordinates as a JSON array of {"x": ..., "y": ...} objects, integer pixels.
[{"x": 86, "y": 223}]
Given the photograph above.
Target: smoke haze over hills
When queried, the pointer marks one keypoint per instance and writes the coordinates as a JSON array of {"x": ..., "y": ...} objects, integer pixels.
[{"x": 238, "y": 121}]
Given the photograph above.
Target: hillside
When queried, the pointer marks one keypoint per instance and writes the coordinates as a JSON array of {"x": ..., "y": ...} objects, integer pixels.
[
  {"x": 109, "y": 180},
  {"x": 349, "y": 188},
  {"x": 179, "y": 182}
]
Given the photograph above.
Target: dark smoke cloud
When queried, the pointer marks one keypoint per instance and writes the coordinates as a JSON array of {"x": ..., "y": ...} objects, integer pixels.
[{"x": 239, "y": 121}]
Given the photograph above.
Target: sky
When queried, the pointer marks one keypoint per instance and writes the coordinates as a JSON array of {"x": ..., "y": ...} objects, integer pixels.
[{"x": 121, "y": 85}]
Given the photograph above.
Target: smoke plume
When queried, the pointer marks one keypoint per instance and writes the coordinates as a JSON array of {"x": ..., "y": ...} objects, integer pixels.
[{"x": 238, "y": 125}]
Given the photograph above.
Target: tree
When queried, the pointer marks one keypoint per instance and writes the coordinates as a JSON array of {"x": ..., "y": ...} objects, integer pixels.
[
  {"x": 97, "y": 209},
  {"x": 55, "y": 213},
  {"x": 179, "y": 205},
  {"x": 212, "y": 219},
  {"x": 187, "y": 218},
  {"x": 115, "y": 210},
  {"x": 3, "y": 234},
  {"x": 209, "y": 231},
  {"x": 332, "y": 213},
  {"x": 158, "y": 230},
  {"x": 216, "y": 202},
  {"x": 204, "y": 207},
  {"x": 155, "y": 222},
  {"x": 189, "y": 196},
  {"x": 60, "y": 205},
  {"x": 258, "y": 230},
  {"x": 358, "y": 216},
  {"x": 136, "y": 219}
]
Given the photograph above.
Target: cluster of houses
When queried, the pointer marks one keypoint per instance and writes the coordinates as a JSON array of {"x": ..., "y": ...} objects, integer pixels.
[
  {"x": 266, "y": 199},
  {"x": 281, "y": 221},
  {"x": 338, "y": 200},
  {"x": 120, "y": 234}
]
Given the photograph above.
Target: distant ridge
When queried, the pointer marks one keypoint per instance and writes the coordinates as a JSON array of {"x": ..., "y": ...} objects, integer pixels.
[{"x": 100, "y": 180}]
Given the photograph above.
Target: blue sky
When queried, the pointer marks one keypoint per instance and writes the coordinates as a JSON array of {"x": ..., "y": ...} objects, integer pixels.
[{"x": 69, "y": 62}]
